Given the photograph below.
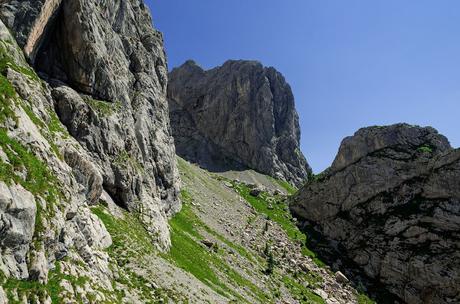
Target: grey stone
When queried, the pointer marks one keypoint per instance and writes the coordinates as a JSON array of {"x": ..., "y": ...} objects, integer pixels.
[
  {"x": 341, "y": 278},
  {"x": 17, "y": 224},
  {"x": 30, "y": 20},
  {"x": 3, "y": 297},
  {"x": 39, "y": 267},
  {"x": 238, "y": 115},
  {"x": 255, "y": 192},
  {"x": 86, "y": 173}
]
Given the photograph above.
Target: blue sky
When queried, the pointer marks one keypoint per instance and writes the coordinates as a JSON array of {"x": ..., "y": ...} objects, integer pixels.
[{"x": 350, "y": 63}]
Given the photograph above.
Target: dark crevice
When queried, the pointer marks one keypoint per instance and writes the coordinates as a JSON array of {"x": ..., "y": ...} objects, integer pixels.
[
  {"x": 49, "y": 52},
  {"x": 54, "y": 59},
  {"x": 117, "y": 195}
]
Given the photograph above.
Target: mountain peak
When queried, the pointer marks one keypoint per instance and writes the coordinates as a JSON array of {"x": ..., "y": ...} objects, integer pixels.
[{"x": 240, "y": 114}]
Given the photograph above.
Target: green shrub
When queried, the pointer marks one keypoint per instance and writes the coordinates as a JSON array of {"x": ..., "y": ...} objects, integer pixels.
[{"x": 425, "y": 149}]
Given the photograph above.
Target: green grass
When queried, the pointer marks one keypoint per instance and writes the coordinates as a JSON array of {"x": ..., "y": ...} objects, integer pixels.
[
  {"x": 196, "y": 222},
  {"x": 103, "y": 108},
  {"x": 312, "y": 255},
  {"x": 301, "y": 293},
  {"x": 55, "y": 125},
  {"x": 7, "y": 97},
  {"x": 131, "y": 243},
  {"x": 317, "y": 177},
  {"x": 206, "y": 265},
  {"x": 50, "y": 136},
  {"x": 290, "y": 189},
  {"x": 129, "y": 237},
  {"x": 425, "y": 149},
  {"x": 6, "y": 61},
  {"x": 38, "y": 179},
  {"x": 364, "y": 299},
  {"x": 278, "y": 213},
  {"x": 33, "y": 289}
]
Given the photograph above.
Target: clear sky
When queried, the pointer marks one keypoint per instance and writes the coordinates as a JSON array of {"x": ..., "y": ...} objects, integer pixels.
[{"x": 350, "y": 63}]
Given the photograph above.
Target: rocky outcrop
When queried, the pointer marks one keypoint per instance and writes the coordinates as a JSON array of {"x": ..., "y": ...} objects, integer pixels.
[
  {"x": 108, "y": 71},
  {"x": 389, "y": 207},
  {"x": 238, "y": 115}
]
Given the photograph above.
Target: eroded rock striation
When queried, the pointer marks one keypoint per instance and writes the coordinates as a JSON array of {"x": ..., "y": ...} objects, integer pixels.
[
  {"x": 107, "y": 68},
  {"x": 44, "y": 200},
  {"x": 389, "y": 207},
  {"x": 239, "y": 114}
]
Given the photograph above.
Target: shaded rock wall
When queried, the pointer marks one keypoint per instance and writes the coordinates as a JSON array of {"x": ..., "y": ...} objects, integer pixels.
[
  {"x": 389, "y": 207},
  {"x": 30, "y": 20}
]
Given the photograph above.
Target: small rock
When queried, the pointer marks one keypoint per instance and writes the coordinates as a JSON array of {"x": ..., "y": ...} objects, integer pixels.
[
  {"x": 321, "y": 293},
  {"x": 39, "y": 268},
  {"x": 3, "y": 298},
  {"x": 341, "y": 278},
  {"x": 255, "y": 192},
  {"x": 208, "y": 243}
]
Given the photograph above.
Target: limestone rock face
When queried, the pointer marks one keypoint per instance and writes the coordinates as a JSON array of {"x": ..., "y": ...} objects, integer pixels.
[
  {"x": 94, "y": 125},
  {"x": 44, "y": 200},
  {"x": 389, "y": 207},
  {"x": 108, "y": 71},
  {"x": 239, "y": 114}
]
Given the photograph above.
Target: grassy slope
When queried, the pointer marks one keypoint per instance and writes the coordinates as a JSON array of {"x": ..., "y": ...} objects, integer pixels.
[
  {"x": 276, "y": 208},
  {"x": 131, "y": 243},
  {"x": 205, "y": 264},
  {"x": 184, "y": 233}
]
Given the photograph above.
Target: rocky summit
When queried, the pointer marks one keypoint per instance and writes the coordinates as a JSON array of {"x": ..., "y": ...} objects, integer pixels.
[
  {"x": 387, "y": 213},
  {"x": 238, "y": 115}
]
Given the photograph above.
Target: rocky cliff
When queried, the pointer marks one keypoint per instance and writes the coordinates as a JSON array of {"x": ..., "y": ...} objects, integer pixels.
[
  {"x": 107, "y": 70},
  {"x": 238, "y": 115},
  {"x": 389, "y": 208},
  {"x": 94, "y": 127}
]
